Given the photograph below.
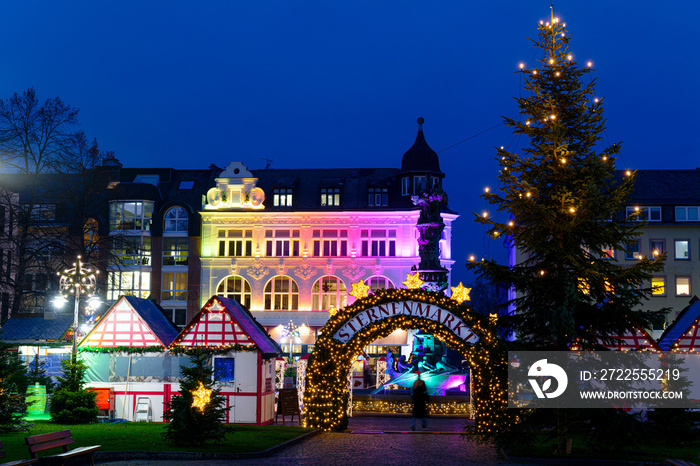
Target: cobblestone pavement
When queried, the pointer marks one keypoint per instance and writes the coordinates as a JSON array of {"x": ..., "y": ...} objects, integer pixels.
[{"x": 440, "y": 445}]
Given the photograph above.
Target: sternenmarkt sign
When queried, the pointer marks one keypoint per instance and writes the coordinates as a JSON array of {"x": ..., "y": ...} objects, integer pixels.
[{"x": 408, "y": 308}]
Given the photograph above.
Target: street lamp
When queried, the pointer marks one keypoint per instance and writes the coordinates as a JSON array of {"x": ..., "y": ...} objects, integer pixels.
[
  {"x": 77, "y": 280},
  {"x": 293, "y": 333}
]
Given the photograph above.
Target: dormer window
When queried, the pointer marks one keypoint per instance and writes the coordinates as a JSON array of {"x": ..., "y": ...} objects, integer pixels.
[
  {"x": 330, "y": 197},
  {"x": 378, "y": 197},
  {"x": 405, "y": 186},
  {"x": 282, "y": 197},
  {"x": 419, "y": 184}
]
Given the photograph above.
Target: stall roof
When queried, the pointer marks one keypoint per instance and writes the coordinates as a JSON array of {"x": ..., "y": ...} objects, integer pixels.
[
  {"x": 687, "y": 321},
  {"x": 33, "y": 327},
  {"x": 147, "y": 325},
  {"x": 223, "y": 321}
]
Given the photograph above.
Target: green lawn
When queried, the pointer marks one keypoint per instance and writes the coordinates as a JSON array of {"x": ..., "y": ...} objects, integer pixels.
[{"x": 142, "y": 436}]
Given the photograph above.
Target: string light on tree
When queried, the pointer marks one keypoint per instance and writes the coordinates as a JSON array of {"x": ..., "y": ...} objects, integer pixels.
[{"x": 201, "y": 397}]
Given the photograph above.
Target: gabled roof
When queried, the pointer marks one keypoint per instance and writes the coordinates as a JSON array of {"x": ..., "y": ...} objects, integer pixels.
[
  {"x": 678, "y": 331},
  {"x": 637, "y": 340},
  {"x": 32, "y": 327},
  {"x": 132, "y": 321},
  {"x": 223, "y": 322}
]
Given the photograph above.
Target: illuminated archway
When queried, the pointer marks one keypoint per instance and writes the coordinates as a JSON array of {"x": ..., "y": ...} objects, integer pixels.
[{"x": 350, "y": 330}]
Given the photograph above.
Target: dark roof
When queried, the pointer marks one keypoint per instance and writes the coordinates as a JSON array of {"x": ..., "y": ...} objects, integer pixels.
[
  {"x": 420, "y": 157},
  {"x": 353, "y": 183},
  {"x": 667, "y": 187},
  {"x": 153, "y": 315},
  {"x": 251, "y": 326},
  {"x": 685, "y": 319},
  {"x": 23, "y": 327}
]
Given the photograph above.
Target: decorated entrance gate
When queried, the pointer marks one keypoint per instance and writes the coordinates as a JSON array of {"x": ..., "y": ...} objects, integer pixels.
[{"x": 350, "y": 330}]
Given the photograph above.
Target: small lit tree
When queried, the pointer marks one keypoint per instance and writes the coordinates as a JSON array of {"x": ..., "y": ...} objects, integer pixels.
[
  {"x": 71, "y": 402},
  {"x": 195, "y": 416},
  {"x": 12, "y": 400}
]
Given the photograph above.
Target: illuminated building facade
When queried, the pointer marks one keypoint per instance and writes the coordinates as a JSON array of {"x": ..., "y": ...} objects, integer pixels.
[{"x": 289, "y": 243}]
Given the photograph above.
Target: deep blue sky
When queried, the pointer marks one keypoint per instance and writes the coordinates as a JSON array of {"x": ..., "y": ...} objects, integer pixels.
[{"x": 341, "y": 83}]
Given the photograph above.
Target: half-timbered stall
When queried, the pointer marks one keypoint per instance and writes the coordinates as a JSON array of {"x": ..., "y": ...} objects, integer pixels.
[
  {"x": 135, "y": 354},
  {"x": 244, "y": 358},
  {"x": 127, "y": 361}
]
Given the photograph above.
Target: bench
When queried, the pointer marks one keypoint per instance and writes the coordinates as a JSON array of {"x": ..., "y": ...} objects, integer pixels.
[
  {"x": 14, "y": 463},
  {"x": 680, "y": 462},
  {"x": 37, "y": 443}
]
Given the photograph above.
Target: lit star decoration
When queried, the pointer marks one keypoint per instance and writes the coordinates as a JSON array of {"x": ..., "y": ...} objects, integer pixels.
[
  {"x": 460, "y": 293},
  {"x": 360, "y": 290},
  {"x": 201, "y": 397},
  {"x": 412, "y": 281}
]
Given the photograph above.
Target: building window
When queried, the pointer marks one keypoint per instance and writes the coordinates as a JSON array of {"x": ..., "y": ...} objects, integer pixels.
[
  {"x": 632, "y": 251},
  {"x": 237, "y": 288},
  {"x": 378, "y": 243},
  {"x": 282, "y": 197},
  {"x": 132, "y": 283},
  {"x": 282, "y": 243},
  {"x": 176, "y": 220},
  {"x": 131, "y": 250},
  {"x": 281, "y": 293},
  {"x": 657, "y": 247},
  {"x": 405, "y": 186},
  {"x": 378, "y": 197},
  {"x": 658, "y": 286},
  {"x": 43, "y": 212},
  {"x": 682, "y": 286},
  {"x": 608, "y": 252},
  {"x": 330, "y": 243},
  {"x": 682, "y": 249},
  {"x": 177, "y": 316},
  {"x": 418, "y": 184},
  {"x": 330, "y": 197},
  {"x": 236, "y": 243},
  {"x": 174, "y": 286},
  {"x": 90, "y": 237},
  {"x": 378, "y": 282},
  {"x": 328, "y": 291},
  {"x": 131, "y": 216},
  {"x": 644, "y": 213},
  {"x": 175, "y": 251},
  {"x": 687, "y": 214}
]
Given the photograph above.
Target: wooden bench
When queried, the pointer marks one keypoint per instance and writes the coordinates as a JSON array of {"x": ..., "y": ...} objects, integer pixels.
[
  {"x": 14, "y": 463},
  {"x": 37, "y": 443},
  {"x": 680, "y": 462}
]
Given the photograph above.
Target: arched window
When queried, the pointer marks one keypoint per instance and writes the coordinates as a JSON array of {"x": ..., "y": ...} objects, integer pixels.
[
  {"x": 237, "y": 288},
  {"x": 328, "y": 291},
  {"x": 281, "y": 293},
  {"x": 379, "y": 283},
  {"x": 175, "y": 220},
  {"x": 90, "y": 233}
]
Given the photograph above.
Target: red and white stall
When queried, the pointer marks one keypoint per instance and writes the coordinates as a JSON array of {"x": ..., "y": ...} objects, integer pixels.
[
  {"x": 127, "y": 353},
  {"x": 246, "y": 372}
]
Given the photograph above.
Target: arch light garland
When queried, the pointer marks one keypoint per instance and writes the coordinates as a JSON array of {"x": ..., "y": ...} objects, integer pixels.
[{"x": 326, "y": 395}]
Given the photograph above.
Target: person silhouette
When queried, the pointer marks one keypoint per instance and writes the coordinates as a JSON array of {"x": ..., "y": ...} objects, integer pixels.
[{"x": 419, "y": 393}]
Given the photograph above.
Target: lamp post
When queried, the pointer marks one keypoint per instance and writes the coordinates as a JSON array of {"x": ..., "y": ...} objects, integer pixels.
[
  {"x": 77, "y": 280},
  {"x": 293, "y": 333}
]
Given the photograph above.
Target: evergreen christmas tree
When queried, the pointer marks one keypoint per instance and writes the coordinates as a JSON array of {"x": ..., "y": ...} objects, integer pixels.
[
  {"x": 195, "y": 416},
  {"x": 12, "y": 401},
  {"x": 564, "y": 198},
  {"x": 72, "y": 403}
]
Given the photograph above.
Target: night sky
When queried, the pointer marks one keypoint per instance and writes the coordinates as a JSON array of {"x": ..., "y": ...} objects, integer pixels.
[{"x": 341, "y": 83}]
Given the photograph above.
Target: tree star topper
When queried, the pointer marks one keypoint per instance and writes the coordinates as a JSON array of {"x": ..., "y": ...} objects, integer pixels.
[
  {"x": 412, "y": 281},
  {"x": 360, "y": 290},
  {"x": 201, "y": 397},
  {"x": 460, "y": 293}
]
